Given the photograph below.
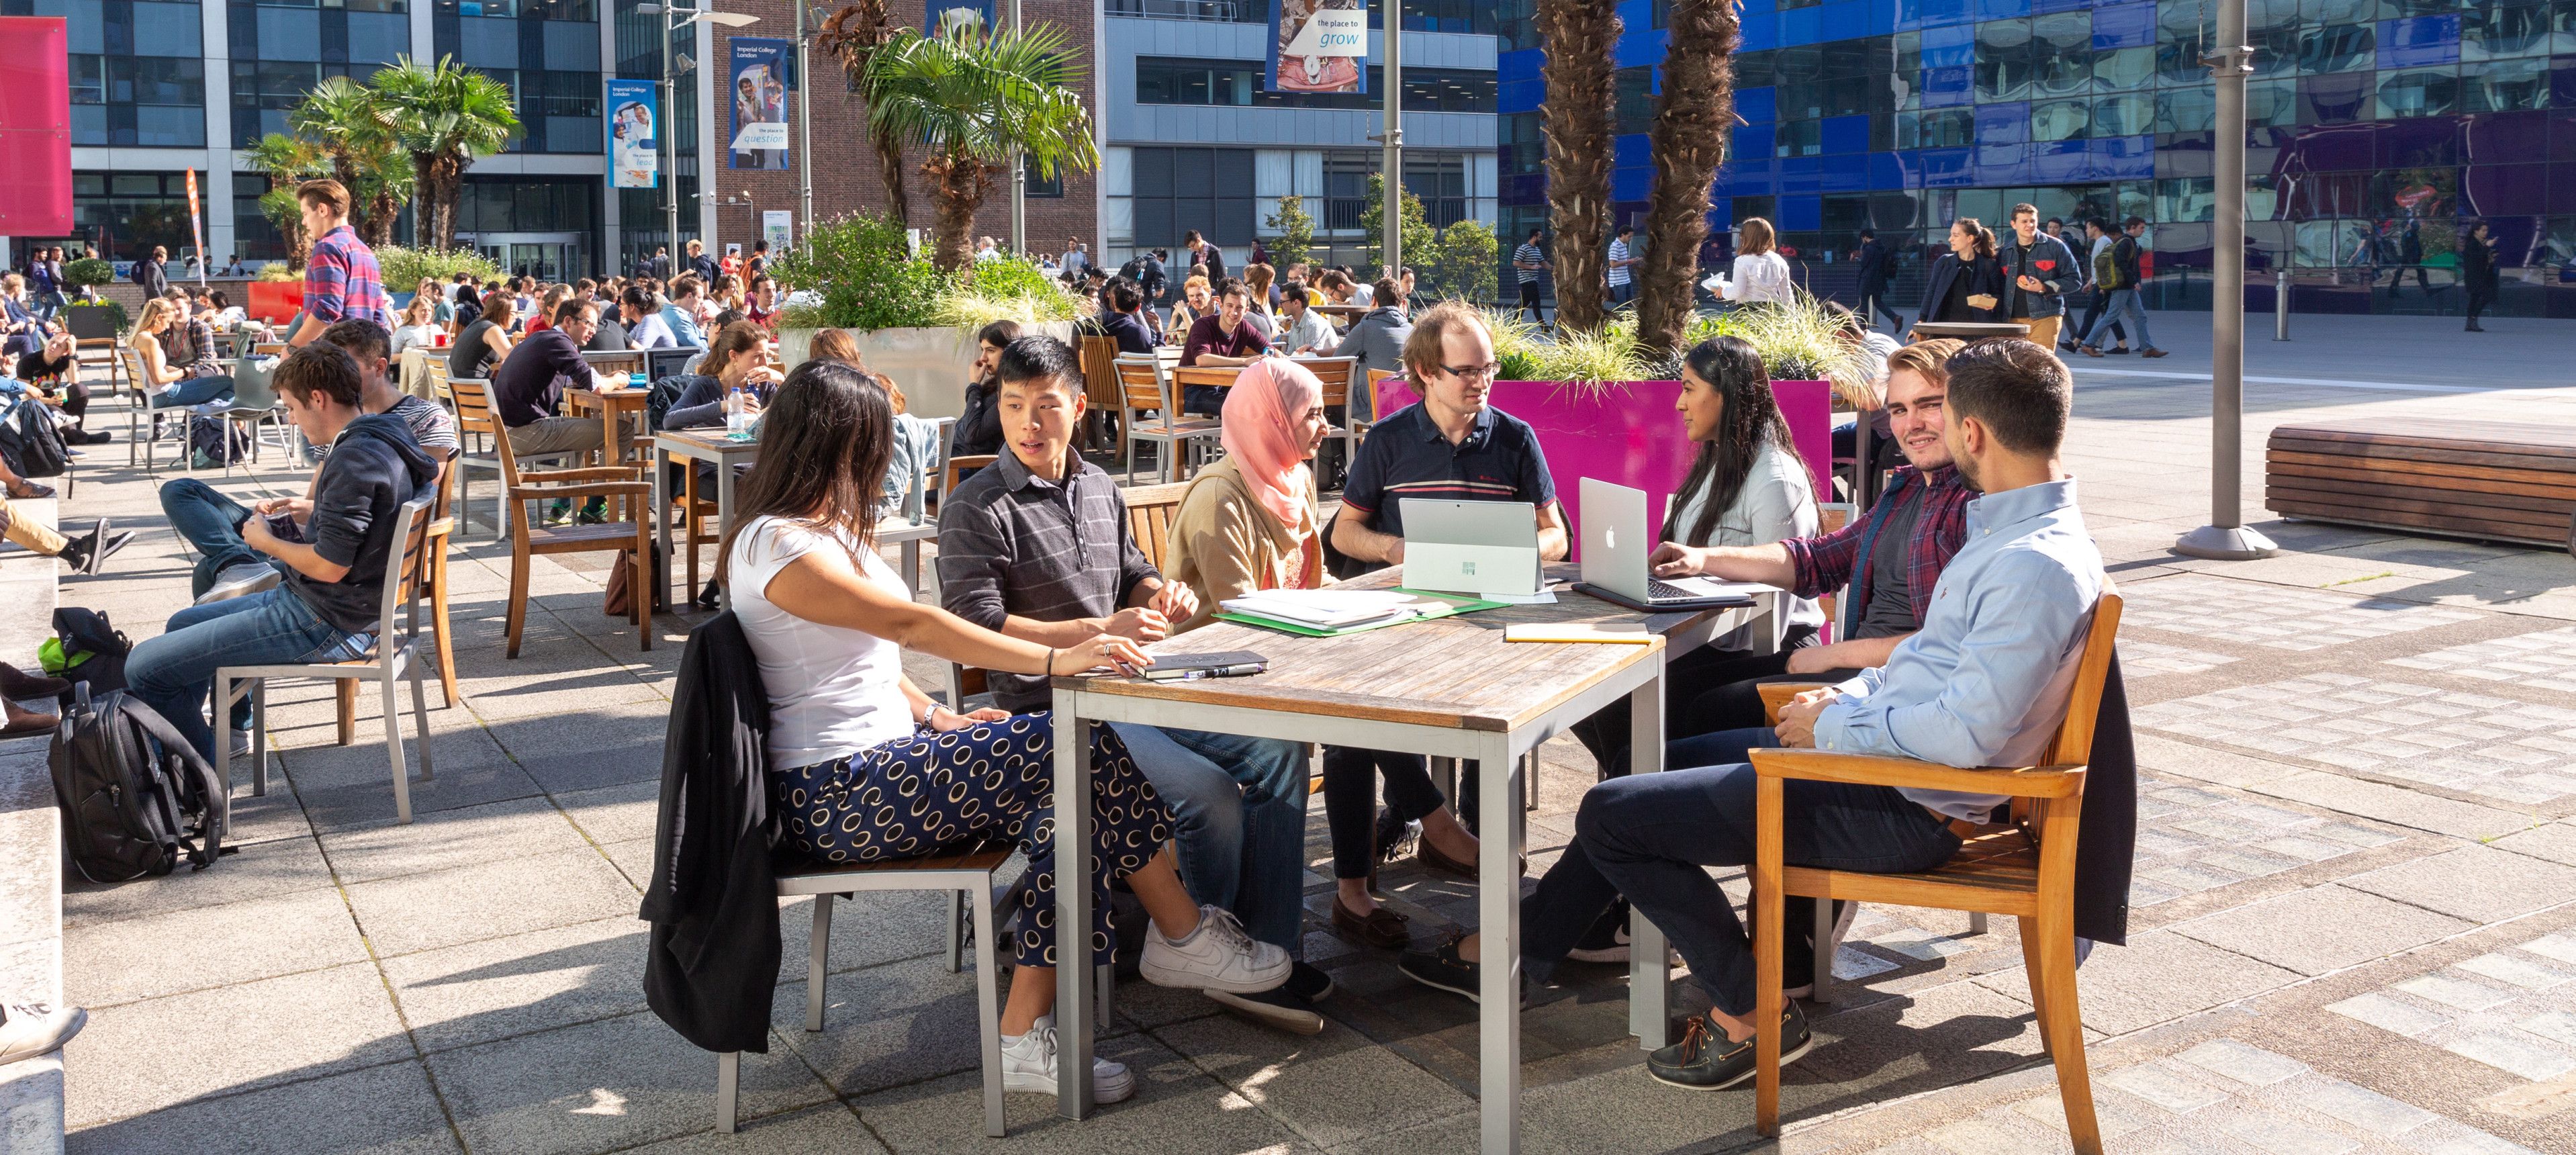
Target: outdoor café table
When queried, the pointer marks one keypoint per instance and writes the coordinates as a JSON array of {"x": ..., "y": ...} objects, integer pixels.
[
  {"x": 615, "y": 362},
  {"x": 612, "y": 405},
  {"x": 724, "y": 453},
  {"x": 1969, "y": 330},
  {"x": 1222, "y": 376},
  {"x": 1451, "y": 687}
]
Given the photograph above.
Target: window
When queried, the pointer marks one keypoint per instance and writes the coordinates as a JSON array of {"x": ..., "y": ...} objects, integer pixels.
[
  {"x": 1346, "y": 189},
  {"x": 1179, "y": 189},
  {"x": 1441, "y": 183},
  {"x": 1040, "y": 185},
  {"x": 126, "y": 213},
  {"x": 1219, "y": 11},
  {"x": 2405, "y": 92},
  {"x": 1239, "y": 84},
  {"x": 2003, "y": 60},
  {"x": 575, "y": 11},
  {"x": 2338, "y": 48}
]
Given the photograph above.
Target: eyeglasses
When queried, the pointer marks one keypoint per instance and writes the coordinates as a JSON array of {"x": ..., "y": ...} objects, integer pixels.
[{"x": 1485, "y": 372}]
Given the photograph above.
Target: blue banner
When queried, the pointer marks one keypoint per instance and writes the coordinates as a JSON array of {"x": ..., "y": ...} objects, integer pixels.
[
  {"x": 634, "y": 135},
  {"x": 758, "y": 94}
]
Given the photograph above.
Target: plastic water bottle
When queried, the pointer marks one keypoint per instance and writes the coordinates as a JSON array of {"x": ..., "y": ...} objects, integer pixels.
[{"x": 737, "y": 415}]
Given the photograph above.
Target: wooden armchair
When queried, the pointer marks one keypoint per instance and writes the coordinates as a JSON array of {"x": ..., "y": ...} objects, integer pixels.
[
  {"x": 623, "y": 484},
  {"x": 2025, "y": 869}
]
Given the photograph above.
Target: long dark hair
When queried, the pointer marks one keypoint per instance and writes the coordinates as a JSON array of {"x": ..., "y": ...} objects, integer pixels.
[
  {"x": 824, "y": 444},
  {"x": 1751, "y": 418}
]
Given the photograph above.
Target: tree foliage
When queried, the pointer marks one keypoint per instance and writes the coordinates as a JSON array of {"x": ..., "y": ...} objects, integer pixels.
[
  {"x": 852, "y": 36},
  {"x": 1292, "y": 233},
  {"x": 445, "y": 116},
  {"x": 1414, "y": 234},
  {"x": 863, "y": 268},
  {"x": 1464, "y": 262},
  {"x": 288, "y": 161},
  {"x": 346, "y": 122}
]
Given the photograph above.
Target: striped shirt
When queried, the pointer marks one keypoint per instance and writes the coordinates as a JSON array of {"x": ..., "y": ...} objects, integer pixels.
[
  {"x": 1012, "y": 544},
  {"x": 341, "y": 280},
  {"x": 1407, "y": 455},
  {"x": 1527, "y": 254},
  {"x": 1618, "y": 263}
]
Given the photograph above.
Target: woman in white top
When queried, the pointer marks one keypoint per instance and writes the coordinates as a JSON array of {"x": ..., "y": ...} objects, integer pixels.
[
  {"x": 419, "y": 326},
  {"x": 1760, "y": 274},
  {"x": 1747, "y": 486},
  {"x": 851, "y": 738}
]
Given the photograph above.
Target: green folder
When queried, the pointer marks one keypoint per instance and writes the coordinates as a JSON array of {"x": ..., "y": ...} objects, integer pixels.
[{"x": 1451, "y": 605}]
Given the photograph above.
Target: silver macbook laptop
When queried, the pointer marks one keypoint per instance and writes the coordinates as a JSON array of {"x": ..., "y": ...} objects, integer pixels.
[
  {"x": 1471, "y": 547},
  {"x": 1616, "y": 545}
]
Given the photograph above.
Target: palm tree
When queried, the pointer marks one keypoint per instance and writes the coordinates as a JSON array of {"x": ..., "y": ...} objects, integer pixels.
[
  {"x": 978, "y": 99},
  {"x": 1578, "y": 120},
  {"x": 288, "y": 161},
  {"x": 343, "y": 118},
  {"x": 446, "y": 116},
  {"x": 852, "y": 36},
  {"x": 1693, "y": 123}
]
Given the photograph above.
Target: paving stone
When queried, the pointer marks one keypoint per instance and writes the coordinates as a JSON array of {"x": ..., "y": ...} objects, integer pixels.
[
  {"x": 2163, "y": 1085},
  {"x": 2367, "y": 1109},
  {"x": 831, "y": 1127},
  {"x": 293, "y": 1027},
  {"x": 387, "y": 1110},
  {"x": 2159, "y": 976},
  {"x": 1331, "y": 1088},
  {"x": 2521, "y": 1056},
  {"x": 2481, "y": 737},
  {"x": 496, "y": 988},
  {"x": 2143, "y": 658},
  {"x": 2321, "y": 928},
  {"x": 446, "y": 839},
  {"x": 2478, "y": 883},
  {"x": 263, "y": 869},
  {"x": 2251, "y": 1066},
  {"x": 2275, "y": 1135},
  {"x": 603, "y": 1085},
  {"x": 1177, "y": 1107},
  {"x": 2277, "y": 617},
  {"x": 2545, "y": 660},
  {"x": 2395, "y": 805},
  {"x": 884, "y": 1026},
  {"x": 193, "y": 948},
  {"x": 615, "y": 813},
  {"x": 2554, "y": 841},
  {"x": 510, "y": 896},
  {"x": 2389, "y": 1014}
]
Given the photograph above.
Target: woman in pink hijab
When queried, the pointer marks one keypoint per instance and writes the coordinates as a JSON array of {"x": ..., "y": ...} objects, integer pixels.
[{"x": 1249, "y": 522}]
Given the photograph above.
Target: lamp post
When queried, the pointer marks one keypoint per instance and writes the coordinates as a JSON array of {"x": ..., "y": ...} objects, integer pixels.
[
  {"x": 670, "y": 103},
  {"x": 2226, "y": 538},
  {"x": 1019, "y": 178},
  {"x": 1391, "y": 214}
]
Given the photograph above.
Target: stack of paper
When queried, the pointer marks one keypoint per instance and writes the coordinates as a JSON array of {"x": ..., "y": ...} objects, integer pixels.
[{"x": 1327, "y": 609}]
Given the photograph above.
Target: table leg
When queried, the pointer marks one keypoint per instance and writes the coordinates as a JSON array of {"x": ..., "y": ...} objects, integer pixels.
[
  {"x": 1650, "y": 979},
  {"x": 1498, "y": 910},
  {"x": 1073, "y": 988},
  {"x": 724, "y": 512},
  {"x": 660, "y": 459},
  {"x": 912, "y": 566}
]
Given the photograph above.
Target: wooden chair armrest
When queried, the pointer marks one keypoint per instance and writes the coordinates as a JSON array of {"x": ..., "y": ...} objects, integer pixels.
[
  {"x": 586, "y": 473},
  {"x": 1777, "y": 694},
  {"x": 583, "y": 489},
  {"x": 1871, "y": 770}
]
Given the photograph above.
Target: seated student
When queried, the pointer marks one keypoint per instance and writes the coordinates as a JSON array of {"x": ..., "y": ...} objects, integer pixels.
[
  {"x": 739, "y": 358},
  {"x": 683, "y": 314},
  {"x": 335, "y": 573},
  {"x": 1037, "y": 548},
  {"x": 1451, "y": 445},
  {"x": 485, "y": 343},
  {"x": 1887, "y": 558},
  {"x": 829, "y": 620},
  {"x": 1198, "y": 299},
  {"x": 979, "y": 424},
  {"x": 1985, "y": 683},
  {"x": 83, "y": 554},
  {"x": 419, "y": 326},
  {"x": 1304, "y": 331},
  {"x": 645, "y": 328},
  {"x": 158, "y": 341},
  {"x": 227, "y": 567},
  {"x": 1126, "y": 302},
  {"x": 54, "y": 372},
  {"x": 527, "y": 389},
  {"x": 1226, "y": 337}
]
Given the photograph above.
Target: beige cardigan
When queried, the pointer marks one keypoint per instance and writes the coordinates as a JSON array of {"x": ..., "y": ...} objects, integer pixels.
[{"x": 1224, "y": 544}]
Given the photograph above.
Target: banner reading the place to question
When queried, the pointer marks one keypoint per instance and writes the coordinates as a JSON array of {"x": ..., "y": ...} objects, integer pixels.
[
  {"x": 634, "y": 135},
  {"x": 759, "y": 98},
  {"x": 1318, "y": 46}
]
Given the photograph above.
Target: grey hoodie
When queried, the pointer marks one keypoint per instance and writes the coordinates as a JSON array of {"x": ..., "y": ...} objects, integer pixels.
[{"x": 374, "y": 467}]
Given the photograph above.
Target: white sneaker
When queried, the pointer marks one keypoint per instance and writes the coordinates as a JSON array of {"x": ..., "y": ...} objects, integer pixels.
[
  {"x": 241, "y": 580},
  {"x": 241, "y": 743},
  {"x": 34, "y": 1029},
  {"x": 1219, "y": 956},
  {"x": 1029, "y": 1064}
]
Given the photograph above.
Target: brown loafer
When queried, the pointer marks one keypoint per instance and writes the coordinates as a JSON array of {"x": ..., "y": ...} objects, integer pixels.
[
  {"x": 25, "y": 724},
  {"x": 1380, "y": 928},
  {"x": 1433, "y": 860}
]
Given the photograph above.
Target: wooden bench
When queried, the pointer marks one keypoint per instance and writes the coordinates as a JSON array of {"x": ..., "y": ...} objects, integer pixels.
[{"x": 2476, "y": 479}]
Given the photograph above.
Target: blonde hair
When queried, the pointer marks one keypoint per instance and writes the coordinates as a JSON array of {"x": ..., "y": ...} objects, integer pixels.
[
  {"x": 1758, "y": 237},
  {"x": 423, "y": 306},
  {"x": 1258, "y": 278},
  {"x": 155, "y": 310},
  {"x": 1196, "y": 283},
  {"x": 1422, "y": 350},
  {"x": 836, "y": 344},
  {"x": 1929, "y": 358}
]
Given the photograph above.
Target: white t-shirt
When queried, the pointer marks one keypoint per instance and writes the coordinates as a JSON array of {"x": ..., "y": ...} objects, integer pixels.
[{"x": 832, "y": 691}]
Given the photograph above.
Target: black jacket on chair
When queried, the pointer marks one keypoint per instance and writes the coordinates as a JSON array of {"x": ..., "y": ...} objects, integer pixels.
[
  {"x": 1984, "y": 277},
  {"x": 713, "y": 962},
  {"x": 2106, "y": 837}
]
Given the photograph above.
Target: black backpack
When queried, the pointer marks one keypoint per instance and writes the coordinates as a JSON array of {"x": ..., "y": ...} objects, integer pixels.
[
  {"x": 33, "y": 447},
  {"x": 135, "y": 796},
  {"x": 87, "y": 650},
  {"x": 215, "y": 441}
]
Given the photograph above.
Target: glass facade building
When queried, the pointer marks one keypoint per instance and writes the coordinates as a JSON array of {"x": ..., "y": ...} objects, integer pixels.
[{"x": 2377, "y": 130}]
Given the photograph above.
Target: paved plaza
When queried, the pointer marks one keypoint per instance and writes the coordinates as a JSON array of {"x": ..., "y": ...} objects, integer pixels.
[{"x": 2353, "y": 925}]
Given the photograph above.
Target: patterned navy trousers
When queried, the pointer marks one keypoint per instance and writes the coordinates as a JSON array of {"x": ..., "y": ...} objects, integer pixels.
[{"x": 931, "y": 792}]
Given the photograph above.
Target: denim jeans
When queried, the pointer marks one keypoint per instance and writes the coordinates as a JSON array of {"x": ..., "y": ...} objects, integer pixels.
[
  {"x": 1239, "y": 813},
  {"x": 211, "y": 522},
  {"x": 174, "y": 673},
  {"x": 2126, "y": 307},
  {"x": 193, "y": 391},
  {"x": 1649, "y": 836}
]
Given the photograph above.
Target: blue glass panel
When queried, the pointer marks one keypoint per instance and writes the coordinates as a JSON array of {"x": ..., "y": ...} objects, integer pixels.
[
  {"x": 1757, "y": 105},
  {"x": 2337, "y": 147},
  {"x": 1633, "y": 150},
  {"x": 1521, "y": 96},
  {"x": 1940, "y": 12},
  {"x": 1846, "y": 134},
  {"x": 1843, "y": 19},
  {"x": 1641, "y": 45},
  {"x": 2060, "y": 162},
  {"x": 2417, "y": 142},
  {"x": 1946, "y": 168},
  {"x": 1753, "y": 140},
  {"x": 1760, "y": 32},
  {"x": 2043, "y": 7},
  {"x": 1631, "y": 184},
  {"x": 2505, "y": 190},
  {"x": 1848, "y": 172},
  {"x": 1943, "y": 87},
  {"x": 1802, "y": 174},
  {"x": 1879, "y": 17},
  {"x": 2123, "y": 157},
  {"x": 1760, "y": 7},
  {"x": 1951, "y": 36},
  {"x": 2003, "y": 123},
  {"x": 2003, "y": 164},
  {"x": 2562, "y": 132},
  {"x": 1522, "y": 64},
  {"x": 2515, "y": 136},
  {"x": 1722, "y": 218},
  {"x": 1961, "y": 53},
  {"x": 1887, "y": 170},
  {"x": 2562, "y": 86},
  {"x": 2002, "y": 9},
  {"x": 1801, "y": 214},
  {"x": 1750, "y": 177},
  {"x": 1802, "y": 26},
  {"x": 287, "y": 34},
  {"x": 2419, "y": 40},
  {"x": 2124, "y": 26}
]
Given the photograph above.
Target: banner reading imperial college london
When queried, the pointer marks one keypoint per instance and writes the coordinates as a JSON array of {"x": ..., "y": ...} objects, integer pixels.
[
  {"x": 634, "y": 135},
  {"x": 759, "y": 99},
  {"x": 1318, "y": 46}
]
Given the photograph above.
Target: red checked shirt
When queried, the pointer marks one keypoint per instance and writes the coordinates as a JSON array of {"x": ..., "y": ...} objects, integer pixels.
[
  {"x": 1828, "y": 562},
  {"x": 341, "y": 281}
]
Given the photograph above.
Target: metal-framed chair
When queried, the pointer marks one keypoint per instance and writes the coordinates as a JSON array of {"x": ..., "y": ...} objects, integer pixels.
[
  {"x": 395, "y": 655},
  {"x": 1145, "y": 385}
]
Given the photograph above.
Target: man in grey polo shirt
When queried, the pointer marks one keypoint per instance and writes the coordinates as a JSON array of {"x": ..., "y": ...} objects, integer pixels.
[{"x": 1037, "y": 547}]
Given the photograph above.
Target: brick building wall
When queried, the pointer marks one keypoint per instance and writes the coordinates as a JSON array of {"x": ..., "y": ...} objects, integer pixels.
[{"x": 846, "y": 177}]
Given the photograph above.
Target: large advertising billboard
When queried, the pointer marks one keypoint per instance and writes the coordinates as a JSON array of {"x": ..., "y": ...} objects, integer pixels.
[
  {"x": 759, "y": 98},
  {"x": 634, "y": 135},
  {"x": 1318, "y": 46}
]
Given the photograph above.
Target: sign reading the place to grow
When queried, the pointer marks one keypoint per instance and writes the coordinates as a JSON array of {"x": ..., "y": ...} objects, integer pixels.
[
  {"x": 759, "y": 102},
  {"x": 1318, "y": 46},
  {"x": 634, "y": 135}
]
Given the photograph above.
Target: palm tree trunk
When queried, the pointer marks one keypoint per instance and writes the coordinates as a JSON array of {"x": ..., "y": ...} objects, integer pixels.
[
  {"x": 424, "y": 184},
  {"x": 1694, "y": 121},
  {"x": 449, "y": 174},
  {"x": 958, "y": 186},
  {"x": 1578, "y": 121},
  {"x": 890, "y": 166}
]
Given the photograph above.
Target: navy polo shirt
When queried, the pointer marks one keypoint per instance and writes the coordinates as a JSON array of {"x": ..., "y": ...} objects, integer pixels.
[{"x": 1406, "y": 455}]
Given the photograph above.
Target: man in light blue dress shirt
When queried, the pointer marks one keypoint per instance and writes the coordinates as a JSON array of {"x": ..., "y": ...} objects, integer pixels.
[{"x": 1984, "y": 683}]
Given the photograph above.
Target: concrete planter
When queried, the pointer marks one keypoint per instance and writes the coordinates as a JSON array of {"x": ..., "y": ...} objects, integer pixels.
[
  {"x": 928, "y": 364},
  {"x": 1630, "y": 435}
]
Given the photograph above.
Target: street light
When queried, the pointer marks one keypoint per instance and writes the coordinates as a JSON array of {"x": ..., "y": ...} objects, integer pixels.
[{"x": 670, "y": 101}]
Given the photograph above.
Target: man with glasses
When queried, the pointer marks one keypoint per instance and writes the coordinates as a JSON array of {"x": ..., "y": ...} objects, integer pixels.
[{"x": 527, "y": 388}]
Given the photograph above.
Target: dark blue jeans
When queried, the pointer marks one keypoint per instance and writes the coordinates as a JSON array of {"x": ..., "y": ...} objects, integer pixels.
[
  {"x": 1649, "y": 836},
  {"x": 174, "y": 673},
  {"x": 211, "y": 522},
  {"x": 193, "y": 391}
]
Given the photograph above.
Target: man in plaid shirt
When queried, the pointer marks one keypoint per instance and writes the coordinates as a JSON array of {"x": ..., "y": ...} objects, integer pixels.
[{"x": 341, "y": 281}]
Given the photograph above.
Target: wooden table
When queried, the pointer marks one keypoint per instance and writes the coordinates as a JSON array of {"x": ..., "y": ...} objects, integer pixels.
[
  {"x": 617, "y": 362},
  {"x": 1222, "y": 376},
  {"x": 613, "y": 406},
  {"x": 1445, "y": 688},
  {"x": 685, "y": 446},
  {"x": 1968, "y": 330}
]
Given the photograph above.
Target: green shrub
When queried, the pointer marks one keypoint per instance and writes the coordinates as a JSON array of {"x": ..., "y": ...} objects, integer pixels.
[
  {"x": 403, "y": 268},
  {"x": 277, "y": 273},
  {"x": 1463, "y": 261},
  {"x": 863, "y": 267},
  {"x": 89, "y": 271}
]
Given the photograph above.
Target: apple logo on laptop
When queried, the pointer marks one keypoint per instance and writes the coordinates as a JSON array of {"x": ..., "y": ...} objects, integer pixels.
[{"x": 1610, "y": 538}]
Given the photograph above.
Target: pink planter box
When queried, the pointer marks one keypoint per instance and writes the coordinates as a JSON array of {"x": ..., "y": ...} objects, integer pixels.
[
  {"x": 1632, "y": 436},
  {"x": 275, "y": 302}
]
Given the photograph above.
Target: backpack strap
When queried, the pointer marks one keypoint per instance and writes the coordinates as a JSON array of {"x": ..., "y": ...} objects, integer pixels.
[{"x": 217, "y": 793}]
